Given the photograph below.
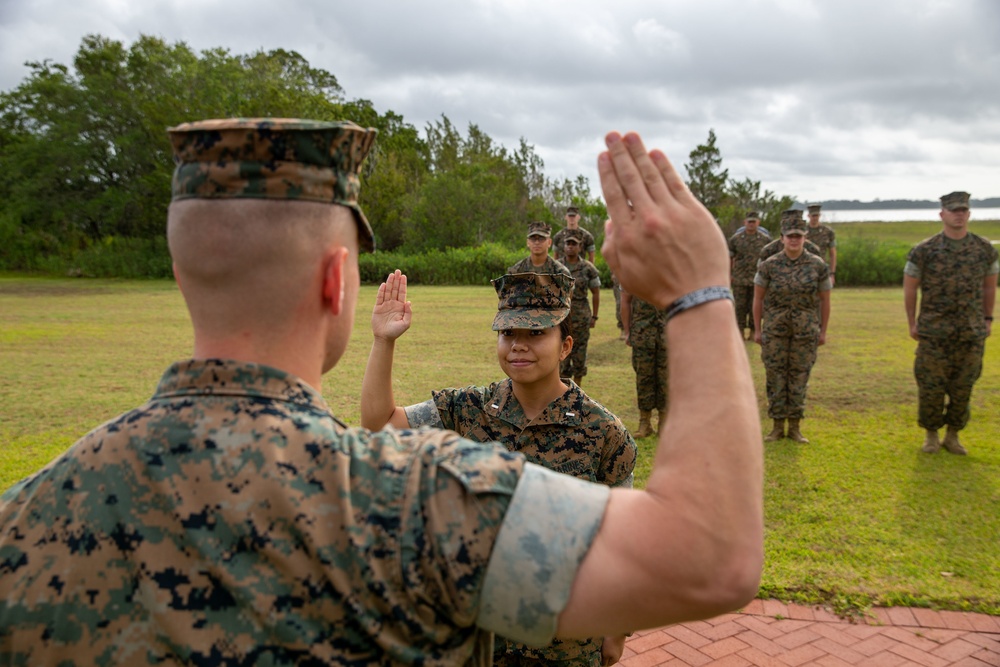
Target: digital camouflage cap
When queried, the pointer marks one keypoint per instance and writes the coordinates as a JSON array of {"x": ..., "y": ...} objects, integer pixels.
[
  {"x": 273, "y": 158},
  {"x": 814, "y": 208},
  {"x": 572, "y": 235},
  {"x": 793, "y": 225},
  {"x": 532, "y": 300},
  {"x": 752, "y": 215},
  {"x": 538, "y": 228},
  {"x": 954, "y": 201},
  {"x": 789, "y": 213}
]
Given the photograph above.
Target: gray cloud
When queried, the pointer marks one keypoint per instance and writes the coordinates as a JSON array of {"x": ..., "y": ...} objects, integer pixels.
[{"x": 822, "y": 99}]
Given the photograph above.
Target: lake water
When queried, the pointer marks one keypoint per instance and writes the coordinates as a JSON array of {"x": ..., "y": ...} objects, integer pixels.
[{"x": 901, "y": 215}]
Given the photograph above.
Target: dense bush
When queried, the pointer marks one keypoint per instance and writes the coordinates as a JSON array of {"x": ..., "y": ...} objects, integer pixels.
[
  {"x": 860, "y": 261},
  {"x": 871, "y": 263}
]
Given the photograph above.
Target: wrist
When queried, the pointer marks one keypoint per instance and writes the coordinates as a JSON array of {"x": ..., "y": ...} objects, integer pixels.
[{"x": 696, "y": 298}]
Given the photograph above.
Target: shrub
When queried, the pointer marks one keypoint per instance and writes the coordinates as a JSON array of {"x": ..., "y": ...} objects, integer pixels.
[{"x": 870, "y": 263}]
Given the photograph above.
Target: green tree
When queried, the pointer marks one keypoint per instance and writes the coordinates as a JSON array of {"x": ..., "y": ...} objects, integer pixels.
[{"x": 706, "y": 177}]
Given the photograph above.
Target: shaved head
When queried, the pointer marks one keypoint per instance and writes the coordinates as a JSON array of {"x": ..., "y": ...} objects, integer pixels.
[{"x": 247, "y": 264}]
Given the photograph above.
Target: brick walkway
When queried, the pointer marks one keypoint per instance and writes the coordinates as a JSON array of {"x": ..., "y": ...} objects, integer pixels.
[{"x": 769, "y": 633}]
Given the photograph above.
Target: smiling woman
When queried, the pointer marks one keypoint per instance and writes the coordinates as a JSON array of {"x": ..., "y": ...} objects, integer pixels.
[{"x": 535, "y": 412}]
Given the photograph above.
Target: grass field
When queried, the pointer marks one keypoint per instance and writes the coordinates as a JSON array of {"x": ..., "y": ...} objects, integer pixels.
[
  {"x": 910, "y": 232},
  {"x": 859, "y": 516}
]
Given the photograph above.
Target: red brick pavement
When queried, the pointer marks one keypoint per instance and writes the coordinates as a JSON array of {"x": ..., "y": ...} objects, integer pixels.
[{"x": 768, "y": 633}]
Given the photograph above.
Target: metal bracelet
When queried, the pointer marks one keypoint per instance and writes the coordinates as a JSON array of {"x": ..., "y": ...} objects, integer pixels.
[{"x": 696, "y": 298}]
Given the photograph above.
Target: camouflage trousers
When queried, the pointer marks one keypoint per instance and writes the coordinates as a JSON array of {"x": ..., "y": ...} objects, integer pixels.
[
  {"x": 649, "y": 360},
  {"x": 616, "y": 289},
  {"x": 946, "y": 368},
  {"x": 788, "y": 362},
  {"x": 743, "y": 297},
  {"x": 564, "y": 653},
  {"x": 575, "y": 365}
]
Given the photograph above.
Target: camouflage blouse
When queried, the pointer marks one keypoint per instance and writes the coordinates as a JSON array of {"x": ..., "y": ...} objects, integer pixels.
[
  {"x": 776, "y": 246},
  {"x": 745, "y": 248},
  {"x": 791, "y": 304},
  {"x": 824, "y": 237},
  {"x": 574, "y": 435},
  {"x": 233, "y": 520},
  {"x": 550, "y": 266},
  {"x": 951, "y": 274}
]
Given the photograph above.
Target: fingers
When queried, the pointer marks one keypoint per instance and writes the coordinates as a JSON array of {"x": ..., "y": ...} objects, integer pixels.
[
  {"x": 675, "y": 184},
  {"x": 614, "y": 195},
  {"x": 395, "y": 287}
]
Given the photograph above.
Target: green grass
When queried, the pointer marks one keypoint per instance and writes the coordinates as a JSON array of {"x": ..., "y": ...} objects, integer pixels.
[
  {"x": 909, "y": 232},
  {"x": 855, "y": 518}
]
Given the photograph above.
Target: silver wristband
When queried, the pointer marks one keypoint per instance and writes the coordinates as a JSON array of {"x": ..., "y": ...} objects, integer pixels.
[{"x": 696, "y": 298}]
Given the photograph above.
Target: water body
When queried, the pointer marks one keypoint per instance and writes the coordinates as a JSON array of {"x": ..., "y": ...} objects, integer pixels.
[{"x": 901, "y": 215}]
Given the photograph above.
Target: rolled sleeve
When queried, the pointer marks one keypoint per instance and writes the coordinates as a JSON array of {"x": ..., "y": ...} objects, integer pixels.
[{"x": 548, "y": 529}]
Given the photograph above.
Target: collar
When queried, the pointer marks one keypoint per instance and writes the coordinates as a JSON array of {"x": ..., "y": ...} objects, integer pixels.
[
  {"x": 226, "y": 377},
  {"x": 567, "y": 409}
]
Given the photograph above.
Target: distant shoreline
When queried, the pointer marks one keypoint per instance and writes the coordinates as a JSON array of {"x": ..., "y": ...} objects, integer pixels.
[{"x": 897, "y": 204}]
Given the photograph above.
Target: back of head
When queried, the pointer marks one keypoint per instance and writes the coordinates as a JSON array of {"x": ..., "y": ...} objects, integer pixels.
[{"x": 256, "y": 203}]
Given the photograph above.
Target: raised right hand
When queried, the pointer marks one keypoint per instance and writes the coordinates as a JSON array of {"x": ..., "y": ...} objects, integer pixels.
[
  {"x": 392, "y": 313},
  {"x": 660, "y": 242}
]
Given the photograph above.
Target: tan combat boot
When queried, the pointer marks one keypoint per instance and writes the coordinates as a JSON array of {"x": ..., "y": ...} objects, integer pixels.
[
  {"x": 661, "y": 418},
  {"x": 952, "y": 444},
  {"x": 794, "y": 434},
  {"x": 931, "y": 442},
  {"x": 777, "y": 433},
  {"x": 645, "y": 429}
]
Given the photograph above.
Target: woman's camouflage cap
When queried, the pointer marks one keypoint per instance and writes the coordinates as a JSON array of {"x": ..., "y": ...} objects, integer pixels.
[
  {"x": 273, "y": 158},
  {"x": 532, "y": 300}
]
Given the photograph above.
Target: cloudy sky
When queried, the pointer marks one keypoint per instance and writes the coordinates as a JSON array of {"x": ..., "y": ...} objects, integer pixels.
[{"x": 819, "y": 99}]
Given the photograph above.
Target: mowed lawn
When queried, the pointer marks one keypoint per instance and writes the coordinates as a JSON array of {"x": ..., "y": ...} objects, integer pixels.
[{"x": 856, "y": 517}]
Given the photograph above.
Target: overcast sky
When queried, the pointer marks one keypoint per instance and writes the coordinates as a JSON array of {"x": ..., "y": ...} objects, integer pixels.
[{"x": 819, "y": 99}]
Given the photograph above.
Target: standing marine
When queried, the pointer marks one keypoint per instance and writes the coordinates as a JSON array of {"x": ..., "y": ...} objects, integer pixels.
[
  {"x": 825, "y": 239},
  {"x": 587, "y": 279},
  {"x": 955, "y": 272},
  {"x": 744, "y": 250},
  {"x": 538, "y": 260},
  {"x": 644, "y": 333},
  {"x": 791, "y": 310}
]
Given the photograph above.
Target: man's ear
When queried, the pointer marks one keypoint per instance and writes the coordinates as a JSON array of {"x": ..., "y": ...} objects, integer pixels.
[{"x": 333, "y": 279}]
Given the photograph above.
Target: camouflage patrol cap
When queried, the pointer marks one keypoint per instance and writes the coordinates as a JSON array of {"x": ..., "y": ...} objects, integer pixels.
[
  {"x": 752, "y": 215},
  {"x": 538, "y": 228},
  {"x": 954, "y": 201},
  {"x": 793, "y": 225},
  {"x": 572, "y": 235},
  {"x": 814, "y": 208},
  {"x": 273, "y": 158},
  {"x": 572, "y": 210},
  {"x": 790, "y": 213},
  {"x": 532, "y": 300}
]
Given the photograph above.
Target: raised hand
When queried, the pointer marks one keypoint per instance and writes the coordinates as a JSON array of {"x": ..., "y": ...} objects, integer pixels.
[
  {"x": 392, "y": 313},
  {"x": 660, "y": 241}
]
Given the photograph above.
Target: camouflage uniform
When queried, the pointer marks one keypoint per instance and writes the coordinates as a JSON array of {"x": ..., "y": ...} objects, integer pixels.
[
  {"x": 776, "y": 246},
  {"x": 550, "y": 266},
  {"x": 745, "y": 249},
  {"x": 234, "y": 520},
  {"x": 824, "y": 238},
  {"x": 951, "y": 324},
  {"x": 648, "y": 339},
  {"x": 616, "y": 289},
  {"x": 585, "y": 276},
  {"x": 790, "y": 328},
  {"x": 587, "y": 243},
  {"x": 574, "y": 435}
]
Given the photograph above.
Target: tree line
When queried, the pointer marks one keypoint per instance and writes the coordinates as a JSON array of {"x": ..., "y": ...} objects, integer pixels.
[{"x": 85, "y": 162}]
